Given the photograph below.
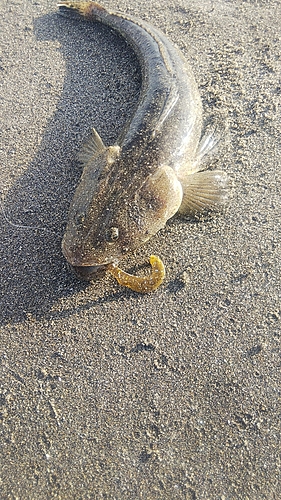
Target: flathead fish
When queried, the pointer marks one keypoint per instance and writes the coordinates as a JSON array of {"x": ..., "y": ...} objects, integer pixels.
[{"x": 156, "y": 168}]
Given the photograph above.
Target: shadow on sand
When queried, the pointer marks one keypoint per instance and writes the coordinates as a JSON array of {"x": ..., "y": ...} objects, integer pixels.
[{"x": 101, "y": 88}]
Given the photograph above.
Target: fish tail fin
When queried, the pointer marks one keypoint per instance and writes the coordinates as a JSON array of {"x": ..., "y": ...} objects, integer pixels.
[
  {"x": 85, "y": 9},
  {"x": 204, "y": 191}
]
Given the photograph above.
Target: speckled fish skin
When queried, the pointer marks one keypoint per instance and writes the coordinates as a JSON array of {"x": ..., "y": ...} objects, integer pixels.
[{"x": 128, "y": 191}]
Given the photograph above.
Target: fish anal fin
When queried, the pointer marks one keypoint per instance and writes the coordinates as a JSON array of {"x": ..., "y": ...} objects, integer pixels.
[
  {"x": 204, "y": 191},
  {"x": 92, "y": 147}
]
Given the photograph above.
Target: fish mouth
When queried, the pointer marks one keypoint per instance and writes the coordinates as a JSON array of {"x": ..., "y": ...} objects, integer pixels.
[
  {"x": 89, "y": 273},
  {"x": 78, "y": 259}
]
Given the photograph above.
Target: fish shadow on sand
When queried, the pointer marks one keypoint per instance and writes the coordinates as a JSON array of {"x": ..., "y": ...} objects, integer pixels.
[{"x": 101, "y": 88}]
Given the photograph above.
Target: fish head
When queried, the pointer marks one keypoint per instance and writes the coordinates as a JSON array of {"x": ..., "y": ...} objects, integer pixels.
[
  {"x": 113, "y": 212},
  {"x": 95, "y": 243},
  {"x": 92, "y": 237}
]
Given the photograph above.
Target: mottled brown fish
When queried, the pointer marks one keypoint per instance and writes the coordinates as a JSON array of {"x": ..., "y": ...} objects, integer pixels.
[{"x": 128, "y": 191}]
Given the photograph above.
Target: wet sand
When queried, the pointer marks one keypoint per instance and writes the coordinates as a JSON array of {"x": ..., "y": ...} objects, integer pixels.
[{"x": 106, "y": 393}]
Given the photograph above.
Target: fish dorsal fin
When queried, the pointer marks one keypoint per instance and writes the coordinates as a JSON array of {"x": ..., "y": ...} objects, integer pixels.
[
  {"x": 92, "y": 147},
  {"x": 168, "y": 105}
]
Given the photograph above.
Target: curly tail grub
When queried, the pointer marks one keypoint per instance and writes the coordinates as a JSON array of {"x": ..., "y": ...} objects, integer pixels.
[{"x": 140, "y": 284}]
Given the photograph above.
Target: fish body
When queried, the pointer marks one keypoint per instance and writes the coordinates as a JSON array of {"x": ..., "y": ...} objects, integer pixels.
[{"x": 129, "y": 190}]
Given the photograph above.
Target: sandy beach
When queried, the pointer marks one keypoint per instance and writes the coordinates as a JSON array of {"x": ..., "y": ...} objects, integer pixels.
[{"x": 107, "y": 394}]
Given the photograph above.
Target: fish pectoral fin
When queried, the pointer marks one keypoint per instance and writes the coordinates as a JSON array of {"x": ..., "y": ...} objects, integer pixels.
[
  {"x": 204, "y": 191},
  {"x": 92, "y": 147}
]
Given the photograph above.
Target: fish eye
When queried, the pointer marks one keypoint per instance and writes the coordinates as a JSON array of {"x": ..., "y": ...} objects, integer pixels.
[{"x": 113, "y": 234}]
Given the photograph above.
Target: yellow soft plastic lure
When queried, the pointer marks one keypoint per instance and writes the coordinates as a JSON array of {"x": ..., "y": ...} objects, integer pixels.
[{"x": 141, "y": 284}]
